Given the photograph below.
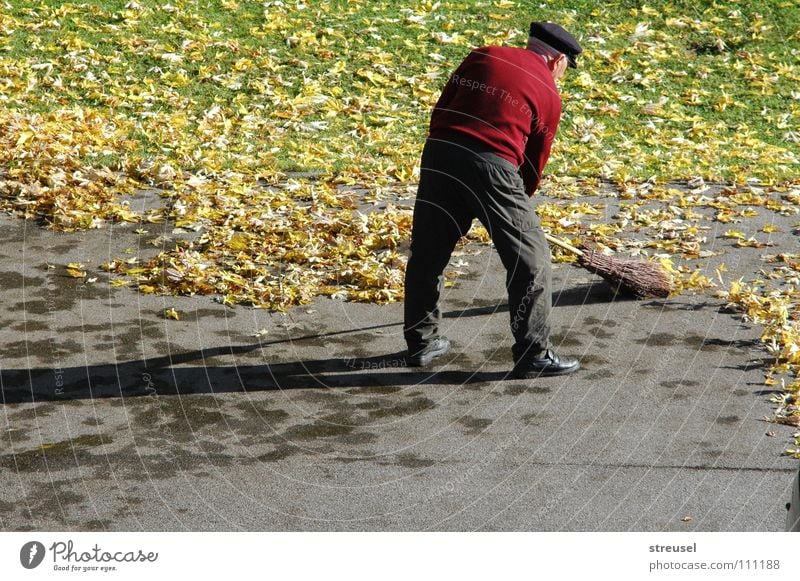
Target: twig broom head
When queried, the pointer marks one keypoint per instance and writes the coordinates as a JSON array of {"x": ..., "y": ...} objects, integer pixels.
[{"x": 642, "y": 278}]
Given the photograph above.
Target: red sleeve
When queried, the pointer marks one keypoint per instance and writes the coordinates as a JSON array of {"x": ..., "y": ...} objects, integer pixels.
[{"x": 537, "y": 151}]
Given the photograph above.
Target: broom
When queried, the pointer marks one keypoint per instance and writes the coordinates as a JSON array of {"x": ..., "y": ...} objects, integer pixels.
[{"x": 644, "y": 279}]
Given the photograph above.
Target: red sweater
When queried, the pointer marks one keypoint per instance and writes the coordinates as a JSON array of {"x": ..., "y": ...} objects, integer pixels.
[{"x": 506, "y": 98}]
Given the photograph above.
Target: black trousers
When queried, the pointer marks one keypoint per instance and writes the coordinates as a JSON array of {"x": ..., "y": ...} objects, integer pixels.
[{"x": 460, "y": 181}]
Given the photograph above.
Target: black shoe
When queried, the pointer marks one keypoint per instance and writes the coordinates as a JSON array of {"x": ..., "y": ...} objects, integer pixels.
[
  {"x": 548, "y": 364},
  {"x": 424, "y": 355}
]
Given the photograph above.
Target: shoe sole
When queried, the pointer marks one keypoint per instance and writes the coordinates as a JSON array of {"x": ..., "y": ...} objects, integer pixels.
[{"x": 536, "y": 374}]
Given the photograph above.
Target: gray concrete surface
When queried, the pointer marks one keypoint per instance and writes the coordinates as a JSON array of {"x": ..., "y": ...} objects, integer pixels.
[{"x": 117, "y": 419}]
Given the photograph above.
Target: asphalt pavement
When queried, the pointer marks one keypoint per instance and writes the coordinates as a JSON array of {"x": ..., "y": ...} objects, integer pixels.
[{"x": 116, "y": 418}]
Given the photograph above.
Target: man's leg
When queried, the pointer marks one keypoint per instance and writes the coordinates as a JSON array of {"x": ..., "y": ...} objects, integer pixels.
[
  {"x": 508, "y": 214},
  {"x": 440, "y": 219}
]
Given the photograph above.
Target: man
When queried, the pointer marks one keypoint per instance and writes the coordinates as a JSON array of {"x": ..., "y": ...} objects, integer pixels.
[{"x": 489, "y": 140}]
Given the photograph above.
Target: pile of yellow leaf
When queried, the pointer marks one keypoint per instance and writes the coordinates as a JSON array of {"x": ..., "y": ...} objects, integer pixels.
[
  {"x": 215, "y": 102},
  {"x": 775, "y": 306},
  {"x": 43, "y": 173}
]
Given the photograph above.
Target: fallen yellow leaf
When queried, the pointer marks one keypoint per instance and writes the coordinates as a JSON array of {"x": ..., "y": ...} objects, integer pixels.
[
  {"x": 171, "y": 313},
  {"x": 75, "y": 270}
]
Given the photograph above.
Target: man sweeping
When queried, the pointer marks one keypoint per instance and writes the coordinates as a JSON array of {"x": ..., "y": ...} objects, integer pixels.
[{"x": 489, "y": 140}]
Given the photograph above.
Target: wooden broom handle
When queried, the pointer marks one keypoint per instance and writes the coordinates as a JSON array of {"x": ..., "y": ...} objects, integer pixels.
[{"x": 560, "y": 243}]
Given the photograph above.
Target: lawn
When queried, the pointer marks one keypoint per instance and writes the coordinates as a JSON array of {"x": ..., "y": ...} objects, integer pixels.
[{"x": 346, "y": 88}]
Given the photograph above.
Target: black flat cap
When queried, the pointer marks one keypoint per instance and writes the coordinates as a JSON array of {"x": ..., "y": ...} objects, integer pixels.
[{"x": 561, "y": 40}]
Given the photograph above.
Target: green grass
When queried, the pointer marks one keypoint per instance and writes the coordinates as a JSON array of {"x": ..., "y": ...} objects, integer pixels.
[{"x": 254, "y": 60}]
